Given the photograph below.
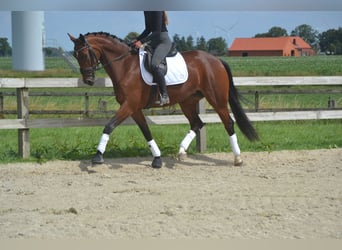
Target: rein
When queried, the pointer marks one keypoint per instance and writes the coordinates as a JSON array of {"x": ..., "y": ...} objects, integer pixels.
[{"x": 115, "y": 59}]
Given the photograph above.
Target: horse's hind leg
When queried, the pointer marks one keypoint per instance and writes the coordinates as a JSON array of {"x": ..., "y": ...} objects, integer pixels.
[
  {"x": 189, "y": 109},
  {"x": 229, "y": 126},
  {"x": 234, "y": 143}
]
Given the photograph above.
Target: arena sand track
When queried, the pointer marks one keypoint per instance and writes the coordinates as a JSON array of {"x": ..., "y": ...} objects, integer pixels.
[{"x": 286, "y": 194}]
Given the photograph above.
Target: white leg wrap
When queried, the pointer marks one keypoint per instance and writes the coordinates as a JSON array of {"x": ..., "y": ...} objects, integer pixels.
[
  {"x": 154, "y": 148},
  {"x": 186, "y": 141},
  {"x": 234, "y": 144},
  {"x": 103, "y": 143}
]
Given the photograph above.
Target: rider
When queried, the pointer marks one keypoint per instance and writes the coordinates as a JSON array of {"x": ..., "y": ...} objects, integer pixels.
[{"x": 156, "y": 33}]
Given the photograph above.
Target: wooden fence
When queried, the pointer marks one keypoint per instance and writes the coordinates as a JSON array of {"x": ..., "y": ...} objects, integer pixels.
[{"x": 23, "y": 123}]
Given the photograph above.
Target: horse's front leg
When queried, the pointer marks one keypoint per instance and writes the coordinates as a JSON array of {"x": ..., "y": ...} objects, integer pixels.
[
  {"x": 119, "y": 117},
  {"x": 139, "y": 118}
]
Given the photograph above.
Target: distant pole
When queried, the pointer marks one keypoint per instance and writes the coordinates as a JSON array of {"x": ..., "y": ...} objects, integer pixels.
[{"x": 27, "y": 40}]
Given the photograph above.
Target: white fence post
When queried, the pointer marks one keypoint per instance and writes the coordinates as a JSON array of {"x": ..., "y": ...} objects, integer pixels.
[
  {"x": 201, "y": 136},
  {"x": 23, "y": 113}
]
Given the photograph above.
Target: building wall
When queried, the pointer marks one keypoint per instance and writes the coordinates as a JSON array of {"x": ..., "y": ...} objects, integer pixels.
[
  {"x": 256, "y": 53},
  {"x": 277, "y": 46},
  {"x": 307, "y": 52},
  {"x": 289, "y": 50},
  {"x": 286, "y": 52}
]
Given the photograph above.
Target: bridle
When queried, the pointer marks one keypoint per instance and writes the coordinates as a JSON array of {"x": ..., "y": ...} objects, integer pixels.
[{"x": 94, "y": 61}]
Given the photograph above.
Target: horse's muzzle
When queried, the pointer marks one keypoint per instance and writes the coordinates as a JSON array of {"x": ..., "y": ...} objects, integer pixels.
[
  {"x": 89, "y": 80},
  {"x": 88, "y": 76}
]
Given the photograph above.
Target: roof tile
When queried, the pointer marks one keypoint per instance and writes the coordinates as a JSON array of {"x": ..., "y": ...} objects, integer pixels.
[{"x": 268, "y": 43}]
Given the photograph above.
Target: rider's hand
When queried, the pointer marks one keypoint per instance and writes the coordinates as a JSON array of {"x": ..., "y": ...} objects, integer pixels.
[{"x": 137, "y": 44}]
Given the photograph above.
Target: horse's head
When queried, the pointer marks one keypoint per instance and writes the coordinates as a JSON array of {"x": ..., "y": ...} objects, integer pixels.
[{"x": 87, "y": 58}]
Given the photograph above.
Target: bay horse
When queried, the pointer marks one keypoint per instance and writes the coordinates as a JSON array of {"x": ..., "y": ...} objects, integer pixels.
[{"x": 208, "y": 77}]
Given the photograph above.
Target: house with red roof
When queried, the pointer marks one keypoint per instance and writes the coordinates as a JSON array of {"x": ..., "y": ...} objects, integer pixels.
[{"x": 271, "y": 46}]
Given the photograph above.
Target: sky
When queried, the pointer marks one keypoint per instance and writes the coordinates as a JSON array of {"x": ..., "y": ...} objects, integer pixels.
[{"x": 210, "y": 19}]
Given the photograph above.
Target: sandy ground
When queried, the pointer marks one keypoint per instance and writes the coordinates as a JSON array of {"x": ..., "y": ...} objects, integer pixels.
[{"x": 287, "y": 194}]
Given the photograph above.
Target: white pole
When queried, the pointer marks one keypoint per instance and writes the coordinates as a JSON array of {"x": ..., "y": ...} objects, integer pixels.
[{"x": 27, "y": 40}]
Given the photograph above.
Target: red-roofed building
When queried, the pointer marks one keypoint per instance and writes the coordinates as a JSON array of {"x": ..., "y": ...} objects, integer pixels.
[{"x": 271, "y": 46}]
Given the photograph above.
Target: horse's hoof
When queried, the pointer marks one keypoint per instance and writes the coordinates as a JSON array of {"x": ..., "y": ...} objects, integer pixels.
[
  {"x": 157, "y": 162},
  {"x": 238, "y": 160},
  {"x": 182, "y": 156},
  {"x": 98, "y": 158}
]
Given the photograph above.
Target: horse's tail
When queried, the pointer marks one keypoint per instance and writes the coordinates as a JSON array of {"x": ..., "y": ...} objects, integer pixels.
[{"x": 241, "y": 118}]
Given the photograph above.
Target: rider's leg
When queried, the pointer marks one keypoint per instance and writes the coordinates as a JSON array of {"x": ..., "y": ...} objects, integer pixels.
[
  {"x": 158, "y": 77},
  {"x": 160, "y": 52}
]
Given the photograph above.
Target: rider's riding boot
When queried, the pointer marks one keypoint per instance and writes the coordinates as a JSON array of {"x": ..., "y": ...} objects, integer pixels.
[{"x": 158, "y": 77}]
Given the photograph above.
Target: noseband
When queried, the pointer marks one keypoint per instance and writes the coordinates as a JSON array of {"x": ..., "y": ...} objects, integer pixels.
[{"x": 94, "y": 61}]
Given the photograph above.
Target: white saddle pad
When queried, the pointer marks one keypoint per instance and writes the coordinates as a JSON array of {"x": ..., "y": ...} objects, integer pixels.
[{"x": 177, "y": 71}]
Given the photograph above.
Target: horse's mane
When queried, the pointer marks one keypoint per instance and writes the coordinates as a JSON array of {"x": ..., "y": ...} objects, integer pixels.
[{"x": 106, "y": 34}]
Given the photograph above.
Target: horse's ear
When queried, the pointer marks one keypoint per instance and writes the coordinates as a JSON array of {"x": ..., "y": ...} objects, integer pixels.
[
  {"x": 81, "y": 38},
  {"x": 72, "y": 38}
]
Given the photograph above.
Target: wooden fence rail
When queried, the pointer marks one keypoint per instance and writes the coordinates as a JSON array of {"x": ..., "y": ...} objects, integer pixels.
[
  {"x": 23, "y": 123},
  {"x": 102, "y": 104}
]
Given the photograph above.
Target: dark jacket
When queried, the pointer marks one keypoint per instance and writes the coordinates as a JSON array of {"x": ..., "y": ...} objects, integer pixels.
[{"x": 154, "y": 25}]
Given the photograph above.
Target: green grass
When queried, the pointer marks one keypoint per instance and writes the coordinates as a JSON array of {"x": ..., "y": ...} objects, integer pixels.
[
  {"x": 127, "y": 141},
  {"x": 295, "y": 101},
  {"x": 54, "y": 67},
  {"x": 285, "y": 66},
  {"x": 46, "y": 103}
]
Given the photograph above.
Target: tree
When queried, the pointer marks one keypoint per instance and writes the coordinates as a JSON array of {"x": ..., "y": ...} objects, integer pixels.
[
  {"x": 217, "y": 46},
  {"x": 5, "y": 48},
  {"x": 273, "y": 32},
  {"x": 181, "y": 44},
  {"x": 52, "y": 51},
  {"x": 131, "y": 36},
  {"x": 330, "y": 41},
  {"x": 176, "y": 40},
  {"x": 201, "y": 44},
  {"x": 190, "y": 43},
  {"x": 308, "y": 34}
]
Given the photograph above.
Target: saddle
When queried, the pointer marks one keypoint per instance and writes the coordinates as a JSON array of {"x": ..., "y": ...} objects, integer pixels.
[{"x": 163, "y": 65}]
